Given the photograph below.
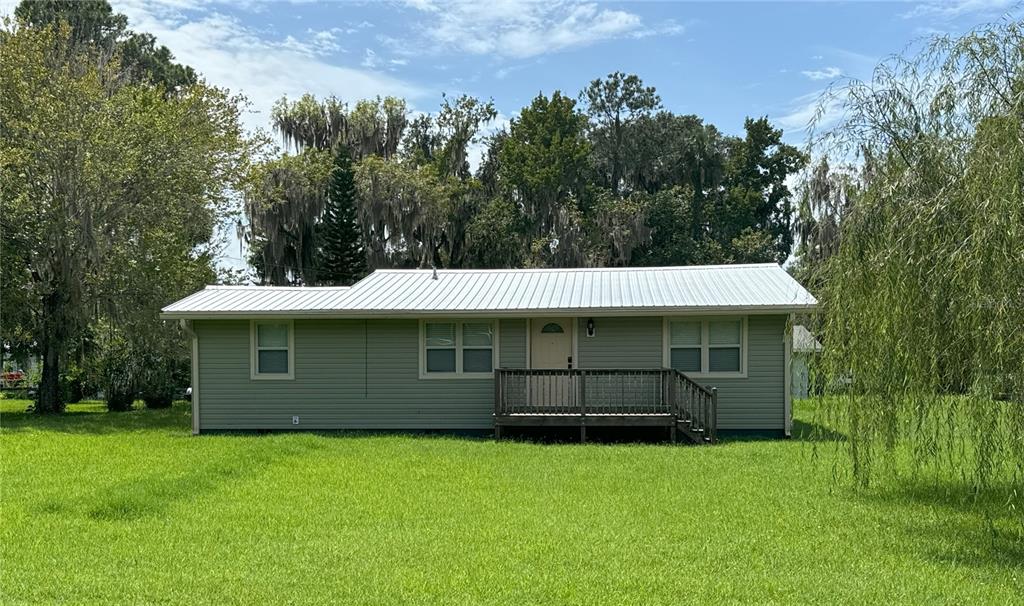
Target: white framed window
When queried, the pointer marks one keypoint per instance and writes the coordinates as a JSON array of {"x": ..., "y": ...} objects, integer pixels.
[
  {"x": 272, "y": 349},
  {"x": 707, "y": 347},
  {"x": 453, "y": 349}
]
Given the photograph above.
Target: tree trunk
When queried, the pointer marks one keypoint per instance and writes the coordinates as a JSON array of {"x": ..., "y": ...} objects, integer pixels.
[{"x": 50, "y": 400}]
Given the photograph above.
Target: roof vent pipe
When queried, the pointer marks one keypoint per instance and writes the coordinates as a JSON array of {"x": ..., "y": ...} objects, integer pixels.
[{"x": 433, "y": 276}]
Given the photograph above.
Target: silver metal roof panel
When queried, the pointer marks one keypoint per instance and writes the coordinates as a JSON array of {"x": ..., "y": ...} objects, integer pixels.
[{"x": 408, "y": 292}]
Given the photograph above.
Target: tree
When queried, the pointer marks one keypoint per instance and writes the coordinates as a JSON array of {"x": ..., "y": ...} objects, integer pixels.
[
  {"x": 615, "y": 105},
  {"x": 825, "y": 197},
  {"x": 373, "y": 127},
  {"x": 342, "y": 256},
  {"x": 110, "y": 192},
  {"x": 401, "y": 212},
  {"x": 284, "y": 202},
  {"x": 756, "y": 197},
  {"x": 441, "y": 142},
  {"x": 496, "y": 235},
  {"x": 543, "y": 169},
  {"x": 921, "y": 300},
  {"x": 94, "y": 24}
]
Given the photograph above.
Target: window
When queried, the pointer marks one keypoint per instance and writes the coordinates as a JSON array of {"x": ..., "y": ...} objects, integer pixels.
[
  {"x": 552, "y": 327},
  {"x": 440, "y": 344},
  {"x": 458, "y": 348},
  {"x": 686, "y": 346},
  {"x": 709, "y": 347},
  {"x": 272, "y": 349},
  {"x": 725, "y": 339}
]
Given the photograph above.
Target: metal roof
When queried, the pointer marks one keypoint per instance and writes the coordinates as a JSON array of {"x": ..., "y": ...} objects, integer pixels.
[
  {"x": 409, "y": 292},
  {"x": 253, "y": 299}
]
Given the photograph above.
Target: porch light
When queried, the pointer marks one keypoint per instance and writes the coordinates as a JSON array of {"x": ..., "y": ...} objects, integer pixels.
[{"x": 590, "y": 327}]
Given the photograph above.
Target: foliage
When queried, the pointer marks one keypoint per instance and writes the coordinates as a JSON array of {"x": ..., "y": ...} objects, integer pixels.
[
  {"x": 117, "y": 368},
  {"x": 342, "y": 257},
  {"x": 543, "y": 162},
  {"x": 826, "y": 195},
  {"x": 559, "y": 187},
  {"x": 752, "y": 221},
  {"x": 110, "y": 192},
  {"x": 284, "y": 201},
  {"x": 94, "y": 24},
  {"x": 496, "y": 234},
  {"x": 581, "y": 524},
  {"x": 400, "y": 212},
  {"x": 615, "y": 106},
  {"x": 373, "y": 127},
  {"x": 923, "y": 297}
]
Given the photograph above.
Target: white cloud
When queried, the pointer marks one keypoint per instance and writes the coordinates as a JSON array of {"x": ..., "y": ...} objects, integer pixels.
[
  {"x": 244, "y": 60},
  {"x": 829, "y": 73},
  {"x": 370, "y": 60},
  {"x": 325, "y": 41},
  {"x": 952, "y": 9},
  {"x": 524, "y": 29},
  {"x": 823, "y": 107}
]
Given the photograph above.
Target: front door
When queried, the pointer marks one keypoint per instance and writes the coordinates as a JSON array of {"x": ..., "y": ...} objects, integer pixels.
[
  {"x": 551, "y": 342},
  {"x": 551, "y": 348}
]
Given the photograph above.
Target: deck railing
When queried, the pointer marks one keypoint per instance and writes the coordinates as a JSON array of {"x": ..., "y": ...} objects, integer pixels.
[
  {"x": 694, "y": 405},
  {"x": 586, "y": 392}
]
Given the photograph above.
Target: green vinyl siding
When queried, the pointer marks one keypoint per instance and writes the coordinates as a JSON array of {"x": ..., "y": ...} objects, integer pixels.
[
  {"x": 358, "y": 374},
  {"x": 628, "y": 342},
  {"x": 754, "y": 402},
  {"x": 759, "y": 400},
  {"x": 364, "y": 374},
  {"x": 512, "y": 343}
]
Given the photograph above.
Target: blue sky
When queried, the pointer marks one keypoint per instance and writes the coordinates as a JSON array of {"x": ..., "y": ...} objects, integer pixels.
[{"x": 722, "y": 61}]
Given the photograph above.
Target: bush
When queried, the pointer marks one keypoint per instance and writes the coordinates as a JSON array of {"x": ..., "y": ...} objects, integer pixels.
[
  {"x": 162, "y": 378},
  {"x": 119, "y": 399},
  {"x": 117, "y": 371}
]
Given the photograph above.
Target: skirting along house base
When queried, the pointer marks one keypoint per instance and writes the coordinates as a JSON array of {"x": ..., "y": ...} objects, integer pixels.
[{"x": 700, "y": 350}]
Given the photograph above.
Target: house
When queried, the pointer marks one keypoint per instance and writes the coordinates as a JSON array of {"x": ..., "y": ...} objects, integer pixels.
[
  {"x": 805, "y": 348},
  {"x": 704, "y": 348}
]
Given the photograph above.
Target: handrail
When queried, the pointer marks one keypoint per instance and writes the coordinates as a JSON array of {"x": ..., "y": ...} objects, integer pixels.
[
  {"x": 696, "y": 406},
  {"x": 609, "y": 391}
]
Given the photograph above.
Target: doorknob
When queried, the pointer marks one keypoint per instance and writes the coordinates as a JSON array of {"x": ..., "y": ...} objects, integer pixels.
[{"x": 570, "y": 362}]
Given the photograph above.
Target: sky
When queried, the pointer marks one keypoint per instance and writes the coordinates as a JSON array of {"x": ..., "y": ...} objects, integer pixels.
[{"x": 723, "y": 61}]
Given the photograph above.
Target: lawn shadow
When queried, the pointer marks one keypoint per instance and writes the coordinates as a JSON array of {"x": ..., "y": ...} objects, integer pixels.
[
  {"x": 809, "y": 431},
  {"x": 976, "y": 528},
  {"x": 155, "y": 493},
  {"x": 93, "y": 418}
]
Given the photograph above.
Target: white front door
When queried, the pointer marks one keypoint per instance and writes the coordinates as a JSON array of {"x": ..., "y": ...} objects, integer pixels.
[
  {"x": 550, "y": 342},
  {"x": 551, "y": 348}
]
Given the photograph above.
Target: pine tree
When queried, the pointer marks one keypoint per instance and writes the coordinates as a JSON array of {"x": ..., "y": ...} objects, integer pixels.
[{"x": 342, "y": 257}]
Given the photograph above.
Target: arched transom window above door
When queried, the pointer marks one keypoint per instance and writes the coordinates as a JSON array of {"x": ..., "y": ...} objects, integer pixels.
[{"x": 552, "y": 327}]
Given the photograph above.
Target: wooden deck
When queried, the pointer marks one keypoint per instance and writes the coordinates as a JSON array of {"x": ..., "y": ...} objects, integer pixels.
[{"x": 654, "y": 397}]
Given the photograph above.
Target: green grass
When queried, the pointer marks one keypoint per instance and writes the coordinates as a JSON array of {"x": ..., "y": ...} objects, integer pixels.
[{"x": 129, "y": 508}]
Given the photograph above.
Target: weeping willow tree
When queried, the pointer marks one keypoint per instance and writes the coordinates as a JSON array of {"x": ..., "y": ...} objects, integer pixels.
[{"x": 922, "y": 304}]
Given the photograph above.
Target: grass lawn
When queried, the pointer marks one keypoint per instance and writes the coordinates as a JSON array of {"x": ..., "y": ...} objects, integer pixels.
[{"x": 129, "y": 508}]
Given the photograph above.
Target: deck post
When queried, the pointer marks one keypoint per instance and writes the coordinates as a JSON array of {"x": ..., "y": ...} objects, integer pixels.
[
  {"x": 583, "y": 405},
  {"x": 498, "y": 406},
  {"x": 713, "y": 421}
]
